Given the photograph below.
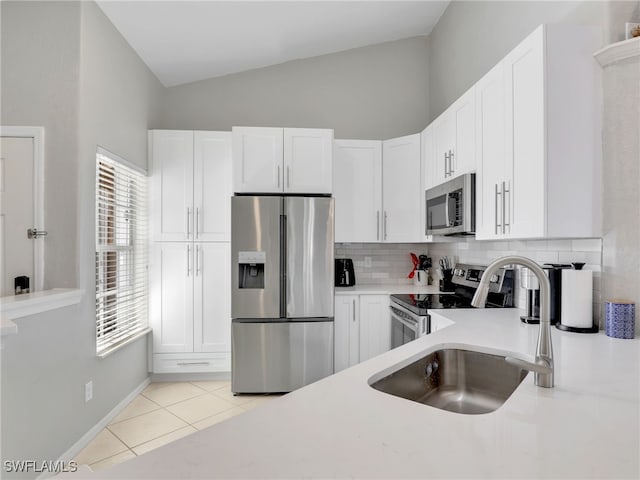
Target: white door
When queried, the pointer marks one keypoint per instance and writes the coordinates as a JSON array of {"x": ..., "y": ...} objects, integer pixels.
[
  {"x": 212, "y": 186},
  {"x": 171, "y": 276},
  {"x": 401, "y": 189},
  {"x": 257, "y": 160},
  {"x": 212, "y": 297},
  {"x": 171, "y": 205},
  {"x": 346, "y": 332},
  {"x": 16, "y": 212},
  {"x": 357, "y": 189},
  {"x": 525, "y": 196},
  {"x": 464, "y": 154},
  {"x": 490, "y": 153},
  {"x": 308, "y": 155},
  {"x": 375, "y": 326}
]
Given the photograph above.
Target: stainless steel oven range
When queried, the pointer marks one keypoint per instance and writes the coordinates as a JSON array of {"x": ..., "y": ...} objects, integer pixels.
[{"x": 410, "y": 317}]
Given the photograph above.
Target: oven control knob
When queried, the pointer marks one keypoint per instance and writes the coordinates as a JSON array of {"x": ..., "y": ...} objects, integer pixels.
[{"x": 494, "y": 278}]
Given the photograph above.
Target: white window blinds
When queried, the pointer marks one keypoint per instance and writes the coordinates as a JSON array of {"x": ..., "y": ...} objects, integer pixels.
[{"x": 121, "y": 253}]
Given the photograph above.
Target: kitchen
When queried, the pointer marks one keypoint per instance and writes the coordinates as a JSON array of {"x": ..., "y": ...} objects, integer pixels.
[{"x": 71, "y": 125}]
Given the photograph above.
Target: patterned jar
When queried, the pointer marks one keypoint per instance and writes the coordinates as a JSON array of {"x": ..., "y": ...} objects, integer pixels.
[{"x": 620, "y": 318}]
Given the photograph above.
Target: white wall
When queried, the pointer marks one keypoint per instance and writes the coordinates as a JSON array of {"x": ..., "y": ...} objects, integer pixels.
[
  {"x": 375, "y": 92},
  {"x": 112, "y": 99}
]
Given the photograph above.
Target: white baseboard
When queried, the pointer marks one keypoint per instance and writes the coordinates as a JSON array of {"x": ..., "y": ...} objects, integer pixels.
[{"x": 77, "y": 447}]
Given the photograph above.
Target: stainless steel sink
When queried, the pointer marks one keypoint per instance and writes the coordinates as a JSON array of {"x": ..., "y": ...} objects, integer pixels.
[{"x": 461, "y": 381}]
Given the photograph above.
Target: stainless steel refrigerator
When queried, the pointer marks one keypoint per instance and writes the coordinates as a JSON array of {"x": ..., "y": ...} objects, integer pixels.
[{"x": 282, "y": 292}]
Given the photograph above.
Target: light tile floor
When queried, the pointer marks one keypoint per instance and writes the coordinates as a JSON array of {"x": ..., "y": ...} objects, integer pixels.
[{"x": 162, "y": 413}]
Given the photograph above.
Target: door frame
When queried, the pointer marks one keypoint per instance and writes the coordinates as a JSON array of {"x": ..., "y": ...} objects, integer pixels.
[{"x": 37, "y": 134}]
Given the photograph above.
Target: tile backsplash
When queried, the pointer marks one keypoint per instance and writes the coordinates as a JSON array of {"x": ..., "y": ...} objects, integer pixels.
[{"x": 390, "y": 263}]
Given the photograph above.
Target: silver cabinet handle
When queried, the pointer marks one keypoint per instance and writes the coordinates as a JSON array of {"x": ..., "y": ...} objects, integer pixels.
[
  {"x": 377, "y": 224},
  {"x": 197, "y": 222},
  {"x": 188, "y": 222},
  {"x": 278, "y": 174},
  {"x": 353, "y": 314},
  {"x": 505, "y": 217},
  {"x": 385, "y": 224},
  {"x": 188, "y": 260},
  {"x": 496, "y": 209},
  {"x": 34, "y": 233},
  {"x": 451, "y": 154},
  {"x": 198, "y": 255},
  {"x": 182, "y": 364},
  {"x": 288, "y": 176},
  {"x": 446, "y": 172}
]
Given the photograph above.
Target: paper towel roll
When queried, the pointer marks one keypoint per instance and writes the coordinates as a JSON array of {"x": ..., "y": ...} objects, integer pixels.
[{"x": 577, "y": 298}]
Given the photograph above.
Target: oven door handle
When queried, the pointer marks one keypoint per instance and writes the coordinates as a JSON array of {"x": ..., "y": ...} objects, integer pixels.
[{"x": 411, "y": 324}]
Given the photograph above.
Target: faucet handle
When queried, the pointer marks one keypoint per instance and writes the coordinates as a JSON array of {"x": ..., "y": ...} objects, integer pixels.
[{"x": 540, "y": 366}]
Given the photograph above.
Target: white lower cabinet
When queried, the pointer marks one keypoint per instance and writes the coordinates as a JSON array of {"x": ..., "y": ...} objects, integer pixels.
[
  {"x": 362, "y": 328},
  {"x": 190, "y": 307}
]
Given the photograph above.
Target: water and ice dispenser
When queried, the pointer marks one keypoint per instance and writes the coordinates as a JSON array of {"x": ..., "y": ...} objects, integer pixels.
[{"x": 251, "y": 269}]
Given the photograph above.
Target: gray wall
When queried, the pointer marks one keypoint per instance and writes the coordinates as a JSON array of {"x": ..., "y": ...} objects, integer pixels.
[
  {"x": 375, "y": 92},
  {"x": 113, "y": 99},
  {"x": 40, "y": 73},
  {"x": 471, "y": 37}
]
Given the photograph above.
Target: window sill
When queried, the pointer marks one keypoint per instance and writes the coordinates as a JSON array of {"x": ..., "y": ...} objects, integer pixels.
[{"x": 33, "y": 303}]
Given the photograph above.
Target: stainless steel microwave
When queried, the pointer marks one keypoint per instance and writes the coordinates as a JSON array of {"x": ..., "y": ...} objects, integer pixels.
[{"x": 451, "y": 207}]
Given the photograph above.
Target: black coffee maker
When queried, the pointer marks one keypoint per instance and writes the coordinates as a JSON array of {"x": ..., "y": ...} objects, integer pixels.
[
  {"x": 345, "y": 274},
  {"x": 554, "y": 272}
]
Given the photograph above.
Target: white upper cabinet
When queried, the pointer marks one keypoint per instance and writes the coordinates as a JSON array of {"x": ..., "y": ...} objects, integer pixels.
[
  {"x": 427, "y": 176},
  {"x": 357, "y": 188},
  {"x": 277, "y": 160},
  {"x": 490, "y": 153},
  {"x": 454, "y": 140},
  {"x": 538, "y": 149},
  {"x": 308, "y": 160},
  {"x": 190, "y": 185},
  {"x": 257, "y": 160},
  {"x": 401, "y": 189},
  {"x": 377, "y": 187},
  {"x": 171, "y": 170}
]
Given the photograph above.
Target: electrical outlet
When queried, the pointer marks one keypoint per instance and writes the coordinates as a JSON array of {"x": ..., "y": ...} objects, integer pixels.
[
  {"x": 367, "y": 262},
  {"x": 88, "y": 391}
]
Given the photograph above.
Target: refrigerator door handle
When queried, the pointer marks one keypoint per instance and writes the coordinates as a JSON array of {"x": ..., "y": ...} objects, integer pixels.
[{"x": 283, "y": 266}]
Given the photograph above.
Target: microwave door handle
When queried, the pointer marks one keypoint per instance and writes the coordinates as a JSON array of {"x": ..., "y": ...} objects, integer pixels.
[{"x": 446, "y": 210}]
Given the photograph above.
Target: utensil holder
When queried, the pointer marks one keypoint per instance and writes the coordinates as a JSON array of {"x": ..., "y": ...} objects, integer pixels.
[{"x": 446, "y": 285}]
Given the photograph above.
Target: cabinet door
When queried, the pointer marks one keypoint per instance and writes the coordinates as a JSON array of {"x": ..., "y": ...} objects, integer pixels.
[
  {"x": 525, "y": 195},
  {"x": 427, "y": 176},
  {"x": 171, "y": 297},
  {"x": 490, "y": 153},
  {"x": 171, "y": 167},
  {"x": 212, "y": 297},
  {"x": 357, "y": 189},
  {"x": 375, "y": 326},
  {"x": 212, "y": 186},
  {"x": 401, "y": 189},
  {"x": 347, "y": 334},
  {"x": 308, "y": 160},
  {"x": 257, "y": 160},
  {"x": 444, "y": 139},
  {"x": 464, "y": 154}
]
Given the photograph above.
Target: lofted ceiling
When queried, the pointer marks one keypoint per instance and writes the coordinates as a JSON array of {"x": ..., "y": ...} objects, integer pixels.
[{"x": 187, "y": 41}]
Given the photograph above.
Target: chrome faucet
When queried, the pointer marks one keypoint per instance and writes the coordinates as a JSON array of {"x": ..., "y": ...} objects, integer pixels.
[{"x": 543, "y": 366}]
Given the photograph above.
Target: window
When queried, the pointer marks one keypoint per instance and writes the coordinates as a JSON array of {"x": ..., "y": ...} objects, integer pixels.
[{"x": 121, "y": 252}]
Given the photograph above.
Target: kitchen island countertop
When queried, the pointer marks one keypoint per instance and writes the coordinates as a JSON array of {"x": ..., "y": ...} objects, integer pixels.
[{"x": 588, "y": 426}]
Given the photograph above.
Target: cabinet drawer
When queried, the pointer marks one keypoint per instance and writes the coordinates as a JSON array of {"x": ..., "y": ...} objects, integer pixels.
[{"x": 191, "y": 362}]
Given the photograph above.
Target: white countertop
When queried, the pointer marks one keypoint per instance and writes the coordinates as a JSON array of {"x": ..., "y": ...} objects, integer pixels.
[
  {"x": 588, "y": 426},
  {"x": 385, "y": 289}
]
